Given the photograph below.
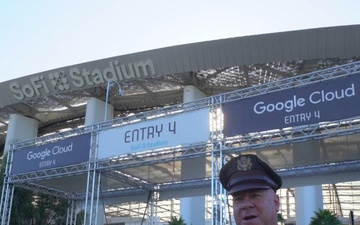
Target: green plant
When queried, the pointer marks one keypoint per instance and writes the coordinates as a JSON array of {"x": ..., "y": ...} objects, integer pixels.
[
  {"x": 176, "y": 221},
  {"x": 325, "y": 217},
  {"x": 280, "y": 218},
  {"x": 33, "y": 208}
]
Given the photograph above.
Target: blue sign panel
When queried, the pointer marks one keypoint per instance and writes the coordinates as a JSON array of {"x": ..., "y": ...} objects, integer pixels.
[
  {"x": 324, "y": 101},
  {"x": 63, "y": 153}
]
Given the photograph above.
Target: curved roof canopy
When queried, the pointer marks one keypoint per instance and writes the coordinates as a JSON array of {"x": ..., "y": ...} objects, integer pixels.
[{"x": 156, "y": 78}]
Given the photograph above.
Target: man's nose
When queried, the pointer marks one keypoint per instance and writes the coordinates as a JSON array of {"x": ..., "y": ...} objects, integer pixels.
[{"x": 247, "y": 203}]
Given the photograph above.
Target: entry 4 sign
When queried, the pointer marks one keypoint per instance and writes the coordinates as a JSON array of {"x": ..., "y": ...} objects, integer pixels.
[
  {"x": 326, "y": 101},
  {"x": 62, "y": 153}
]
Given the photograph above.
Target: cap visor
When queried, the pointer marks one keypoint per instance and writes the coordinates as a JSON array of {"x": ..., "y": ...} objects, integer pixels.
[{"x": 247, "y": 186}]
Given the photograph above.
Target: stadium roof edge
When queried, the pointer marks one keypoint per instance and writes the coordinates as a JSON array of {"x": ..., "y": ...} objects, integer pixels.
[{"x": 329, "y": 42}]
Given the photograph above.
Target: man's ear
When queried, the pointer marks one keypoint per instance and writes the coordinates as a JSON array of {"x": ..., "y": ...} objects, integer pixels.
[{"x": 277, "y": 202}]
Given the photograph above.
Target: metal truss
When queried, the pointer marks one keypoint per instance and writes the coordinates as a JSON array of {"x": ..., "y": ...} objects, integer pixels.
[
  {"x": 51, "y": 173},
  {"x": 188, "y": 184},
  {"x": 283, "y": 84},
  {"x": 297, "y": 134},
  {"x": 130, "y": 180},
  {"x": 288, "y": 83},
  {"x": 43, "y": 189},
  {"x": 173, "y": 186},
  {"x": 6, "y": 203},
  {"x": 71, "y": 212},
  {"x": 122, "y": 121},
  {"x": 93, "y": 186},
  {"x": 116, "y": 193},
  {"x": 152, "y": 207},
  {"x": 216, "y": 148},
  {"x": 7, "y": 193},
  {"x": 92, "y": 197},
  {"x": 218, "y": 194},
  {"x": 322, "y": 169},
  {"x": 157, "y": 113},
  {"x": 154, "y": 157},
  {"x": 54, "y": 137},
  {"x": 218, "y": 200}
]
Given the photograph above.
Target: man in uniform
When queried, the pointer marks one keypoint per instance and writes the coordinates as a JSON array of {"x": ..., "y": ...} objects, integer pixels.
[{"x": 253, "y": 185}]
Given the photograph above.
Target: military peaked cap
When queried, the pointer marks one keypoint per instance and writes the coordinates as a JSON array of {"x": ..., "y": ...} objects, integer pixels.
[{"x": 247, "y": 172}]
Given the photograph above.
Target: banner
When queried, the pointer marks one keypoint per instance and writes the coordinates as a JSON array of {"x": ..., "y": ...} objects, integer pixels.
[
  {"x": 180, "y": 129},
  {"x": 324, "y": 101},
  {"x": 71, "y": 151}
]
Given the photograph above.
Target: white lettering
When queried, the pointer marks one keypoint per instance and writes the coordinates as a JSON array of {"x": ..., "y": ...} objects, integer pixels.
[
  {"x": 36, "y": 85},
  {"x": 128, "y": 72},
  {"x": 296, "y": 118},
  {"x": 38, "y": 155},
  {"x": 62, "y": 149},
  {"x": 55, "y": 151},
  {"x": 77, "y": 80},
  {"x": 288, "y": 106},
  {"x": 322, "y": 96},
  {"x": 98, "y": 78},
  {"x": 15, "y": 88},
  {"x": 144, "y": 69},
  {"x": 45, "y": 163},
  {"x": 29, "y": 90},
  {"x": 109, "y": 73},
  {"x": 80, "y": 77},
  {"x": 118, "y": 70},
  {"x": 115, "y": 71}
]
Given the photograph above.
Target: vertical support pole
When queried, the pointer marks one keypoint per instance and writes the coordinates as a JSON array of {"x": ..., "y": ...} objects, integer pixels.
[
  {"x": 92, "y": 189},
  {"x": 219, "y": 200},
  {"x": 152, "y": 209},
  {"x": 7, "y": 191},
  {"x": 71, "y": 212},
  {"x": 97, "y": 200},
  {"x": 6, "y": 198},
  {"x": 92, "y": 196}
]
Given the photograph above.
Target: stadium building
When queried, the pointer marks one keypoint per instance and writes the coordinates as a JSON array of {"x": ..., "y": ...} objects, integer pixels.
[{"x": 141, "y": 137}]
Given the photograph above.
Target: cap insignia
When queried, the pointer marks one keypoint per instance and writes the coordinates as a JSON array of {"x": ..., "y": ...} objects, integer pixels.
[{"x": 244, "y": 164}]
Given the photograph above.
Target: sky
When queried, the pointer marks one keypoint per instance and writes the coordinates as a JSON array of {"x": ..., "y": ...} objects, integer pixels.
[{"x": 41, "y": 35}]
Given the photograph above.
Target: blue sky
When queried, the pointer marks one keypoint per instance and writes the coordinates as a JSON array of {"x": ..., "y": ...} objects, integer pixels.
[{"x": 41, "y": 35}]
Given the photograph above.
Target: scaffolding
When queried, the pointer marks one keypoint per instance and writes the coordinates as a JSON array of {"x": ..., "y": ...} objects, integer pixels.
[{"x": 216, "y": 151}]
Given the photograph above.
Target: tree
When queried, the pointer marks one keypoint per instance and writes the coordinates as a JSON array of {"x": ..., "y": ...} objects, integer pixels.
[
  {"x": 176, "y": 221},
  {"x": 280, "y": 218},
  {"x": 325, "y": 217},
  {"x": 22, "y": 208},
  {"x": 34, "y": 208}
]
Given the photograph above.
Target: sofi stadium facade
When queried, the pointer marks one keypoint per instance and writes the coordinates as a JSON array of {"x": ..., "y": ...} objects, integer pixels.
[{"x": 154, "y": 151}]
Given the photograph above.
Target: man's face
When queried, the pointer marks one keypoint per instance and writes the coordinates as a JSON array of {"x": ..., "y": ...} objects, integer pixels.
[{"x": 256, "y": 207}]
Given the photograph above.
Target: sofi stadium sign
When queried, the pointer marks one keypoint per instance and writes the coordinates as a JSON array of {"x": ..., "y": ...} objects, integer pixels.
[{"x": 80, "y": 77}]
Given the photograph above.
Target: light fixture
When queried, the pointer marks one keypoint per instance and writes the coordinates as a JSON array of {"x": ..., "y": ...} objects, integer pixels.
[{"x": 107, "y": 95}]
